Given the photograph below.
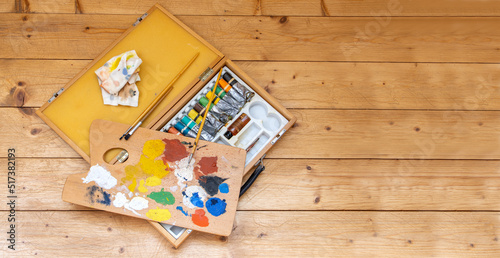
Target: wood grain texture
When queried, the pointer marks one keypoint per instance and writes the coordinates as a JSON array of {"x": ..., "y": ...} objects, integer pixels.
[
  {"x": 309, "y": 184},
  {"x": 176, "y": 7},
  {"x": 428, "y": 90},
  {"x": 348, "y": 85},
  {"x": 460, "y": 39},
  {"x": 273, "y": 7},
  {"x": 7, "y": 6},
  {"x": 388, "y": 134},
  {"x": 292, "y": 233},
  {"x": 24, "y": 84},
  {"x": 381, "y": 8},
  {"x": 48, "y": 6}
]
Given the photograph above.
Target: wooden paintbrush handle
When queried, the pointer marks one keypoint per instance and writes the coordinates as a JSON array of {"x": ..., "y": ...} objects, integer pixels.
[
  {"x": 206, "y": 113},
  {"x": 164, "y": 92}
]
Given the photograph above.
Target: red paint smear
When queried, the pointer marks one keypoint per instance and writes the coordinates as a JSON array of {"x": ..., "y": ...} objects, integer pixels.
[
  {"x": 174, "y": 150},
  {"x": 199, "y": 218},
  {"x": 208, "y": 165}
]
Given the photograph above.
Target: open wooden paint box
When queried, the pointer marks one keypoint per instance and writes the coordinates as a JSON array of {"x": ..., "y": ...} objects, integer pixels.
[{"x": 165, "y": 45}]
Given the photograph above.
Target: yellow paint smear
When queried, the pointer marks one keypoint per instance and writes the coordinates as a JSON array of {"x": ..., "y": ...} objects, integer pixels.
[
  {"x": 142, "y": 188},
  {"x": 132, "y": 173},
  {"x": 132, "y": 186},
  {"x": 159, "y": 214},
  {"x": 153, "y": 148},
  {"x": 153, "y": 181},
  {"x": 153, "y": 167}
]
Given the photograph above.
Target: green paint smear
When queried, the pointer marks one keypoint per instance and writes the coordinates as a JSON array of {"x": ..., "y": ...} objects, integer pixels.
[{"x": 162, "y": 197}]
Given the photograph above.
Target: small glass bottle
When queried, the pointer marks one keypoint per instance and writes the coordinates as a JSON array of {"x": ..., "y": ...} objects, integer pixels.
[{"x": 237, "y": 125}]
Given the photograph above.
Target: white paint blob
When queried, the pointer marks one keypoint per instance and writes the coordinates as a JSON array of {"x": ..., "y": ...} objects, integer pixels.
[
  {"x": 173, "y": 189},
  {"x": 137, "y": 203},
  {"x": 184, "y": 171},
  {"x": 101, "y": 177},
  {"x": 120, "y": 200},
  {"x": 188, "y": 193}
]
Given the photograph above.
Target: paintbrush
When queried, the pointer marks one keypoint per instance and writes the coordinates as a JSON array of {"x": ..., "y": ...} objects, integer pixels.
[
  {"x": 156, "y": 101},
  {"x": 212, "y": 96}
]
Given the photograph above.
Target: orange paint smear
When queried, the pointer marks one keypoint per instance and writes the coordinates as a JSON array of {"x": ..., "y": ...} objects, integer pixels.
[{"x": 199, "y": 218}]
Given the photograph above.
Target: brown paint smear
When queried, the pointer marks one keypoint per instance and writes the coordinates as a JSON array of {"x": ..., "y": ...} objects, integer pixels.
[
  {"x": 174, "y": 150},
  {"x": 206, "y": 165}
]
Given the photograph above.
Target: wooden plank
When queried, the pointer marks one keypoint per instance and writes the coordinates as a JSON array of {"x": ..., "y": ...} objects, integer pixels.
[
  {"x": 8, "y": 6},
  {"x": 380, "y": 8},
  {"x": 49, "y": 6},
  {"x": 306, "y": 233},
  {"x": 379, "y": 85},
  {"x": 37, "y": 6},
  {"x": 23, "y": 83},
  {"x": 39, "y": 182},
  {"x": 426, "y": 39},
  {"x": 176, "y": 7},
  {"x": 348, "y": 85},
  {"x": 388, "y": 134},
  {"x": 312, "y": 185}
]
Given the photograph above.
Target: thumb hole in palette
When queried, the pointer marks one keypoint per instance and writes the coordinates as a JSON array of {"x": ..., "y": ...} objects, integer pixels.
[{"x": 115, "y": 155}]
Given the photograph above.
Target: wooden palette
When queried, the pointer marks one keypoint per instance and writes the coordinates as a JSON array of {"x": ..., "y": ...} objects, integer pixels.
[{"x": 154, "y": 183}]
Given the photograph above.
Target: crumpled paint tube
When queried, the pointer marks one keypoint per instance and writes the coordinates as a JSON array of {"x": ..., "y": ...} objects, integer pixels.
[
  {"x": 212, "y": 125},
  {"x": 228, "y": 100},
  {"x": 194, "y": 127},
  {"x": 220, "y": 117},
  {"x": 238, "y": 100},
  {"x": 221, "y": 107},
  {"x": 242, "y": 90}
]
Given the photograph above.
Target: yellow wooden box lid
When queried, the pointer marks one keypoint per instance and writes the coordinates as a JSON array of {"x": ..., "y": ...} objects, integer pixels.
[{"x": 164, "y": 44}]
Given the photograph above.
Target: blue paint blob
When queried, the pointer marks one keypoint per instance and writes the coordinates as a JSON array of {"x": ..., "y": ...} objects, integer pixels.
[
  {"x": 106, "y": 198},
  {"x": 224, "y": 188},
  {"x": 216, "y": 206},
  {"x": 124, "y": 71},
  {"x": 211, "y": 184},
  {"x": 182, "y": 210},
  {"x": 97, "y": 195},
  {"x": 196, "y": 200}
]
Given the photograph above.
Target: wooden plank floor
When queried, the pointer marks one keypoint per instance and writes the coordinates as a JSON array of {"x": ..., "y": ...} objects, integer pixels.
[{"x": 396, "y": 151}]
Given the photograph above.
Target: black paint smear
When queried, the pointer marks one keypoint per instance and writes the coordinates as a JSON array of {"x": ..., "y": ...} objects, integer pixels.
[
  {"x": 187, "y": 143},
  {"x": 201, "y": 147},
  {"x": 211, "y": 184},
  {"x": 98, "y": 195}
]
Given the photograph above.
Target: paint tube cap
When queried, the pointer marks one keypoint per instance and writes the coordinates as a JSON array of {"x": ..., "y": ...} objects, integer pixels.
[
  {"x": 229, "y": 78},
  {"x": 210, "y": 94},
  {"x": 219, "y": 92},
  {"x": 228, "y": 135},
  {"x": 174, "y": 131},
  {"x": 193, "y": 114},
  {"x": 223, "y": 84},
  {"x": 179, "y": 126},
  {"x": 204, "y": 102},
  {"x": 198, "y": 108},
  {"x": 188, "y": 121}
]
